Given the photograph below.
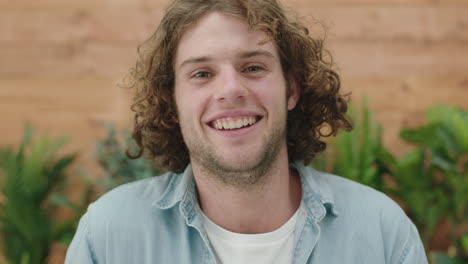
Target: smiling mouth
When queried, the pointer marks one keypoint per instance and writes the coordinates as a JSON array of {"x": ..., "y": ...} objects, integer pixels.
[{"x": 231, "y": 123}]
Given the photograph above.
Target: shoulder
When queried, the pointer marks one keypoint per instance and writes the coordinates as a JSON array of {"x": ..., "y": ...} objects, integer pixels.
[
  {"x": 128, "y": 204},
  {"x": 142, "y": 191},
  {"x": 369, "y": 216},
  {"x": 119, "y": 215},
  {"x": 348, "y": 196}
]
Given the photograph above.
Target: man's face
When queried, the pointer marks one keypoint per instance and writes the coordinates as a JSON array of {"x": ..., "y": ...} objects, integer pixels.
[{"x": 230, "y": 93}]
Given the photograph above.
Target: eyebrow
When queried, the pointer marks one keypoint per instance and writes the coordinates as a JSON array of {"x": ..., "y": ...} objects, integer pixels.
[
  {"x": 195, "y": 60},
  {"x": 249, "y": 54},
  {"x": 243, "y": 55}
]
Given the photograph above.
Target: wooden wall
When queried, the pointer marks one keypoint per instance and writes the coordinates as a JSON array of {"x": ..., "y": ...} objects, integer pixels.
[{"x": 60, "y": 60}]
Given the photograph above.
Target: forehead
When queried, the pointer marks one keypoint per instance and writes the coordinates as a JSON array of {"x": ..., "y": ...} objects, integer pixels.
[{"x": 218, "y": 35}]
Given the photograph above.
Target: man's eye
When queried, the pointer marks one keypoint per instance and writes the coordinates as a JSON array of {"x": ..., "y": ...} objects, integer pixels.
[
  {"x": 253, "y": 69},
  {"x": 202, "y": 75}
]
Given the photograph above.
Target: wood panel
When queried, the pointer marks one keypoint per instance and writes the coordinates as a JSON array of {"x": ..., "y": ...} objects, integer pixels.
[
  {"x": 80, "y": 43},
  {"x": 74, "y": 107},
  {"x": 114, "y": 25},
  {"x": 401, "y": 101},
  {"x": 385, "y": 43},
  {"x": 42, "y": 4},
  {"x": 403, "y": 24},
  {"x": 61, "y": 107},
  {"x": 69, "y": 60},
  {"x": 394, "y": 58},
  {"x": 95, "y": 59}
]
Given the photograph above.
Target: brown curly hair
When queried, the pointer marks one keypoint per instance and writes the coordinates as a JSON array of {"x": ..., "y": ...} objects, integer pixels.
[{"x": 303, "y": 57}]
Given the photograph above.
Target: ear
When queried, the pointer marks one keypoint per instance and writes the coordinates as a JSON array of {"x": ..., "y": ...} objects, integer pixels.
[{"x": 294, "y": 93}]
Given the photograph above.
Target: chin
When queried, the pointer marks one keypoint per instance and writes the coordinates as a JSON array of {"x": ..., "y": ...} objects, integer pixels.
[{"x": 241, "y": 161}]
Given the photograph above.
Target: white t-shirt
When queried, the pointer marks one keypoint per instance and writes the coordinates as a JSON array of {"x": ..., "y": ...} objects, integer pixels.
[{"x": 273, "y": 247}]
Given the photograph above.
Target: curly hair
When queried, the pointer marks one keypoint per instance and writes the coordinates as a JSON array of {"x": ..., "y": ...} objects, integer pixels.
[{"x": 156, "y": 127}]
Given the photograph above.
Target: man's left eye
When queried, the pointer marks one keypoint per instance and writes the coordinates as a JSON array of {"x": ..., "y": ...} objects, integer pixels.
[
  {"x": 202, "y": 74},
  {"x": 253, "y": 68}
]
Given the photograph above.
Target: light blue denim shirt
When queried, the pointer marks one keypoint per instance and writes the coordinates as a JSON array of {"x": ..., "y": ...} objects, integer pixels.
[{"x": 158, "y": 220}]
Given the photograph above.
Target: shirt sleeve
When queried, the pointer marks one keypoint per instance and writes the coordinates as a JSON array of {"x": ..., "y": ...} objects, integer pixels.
[
  {"x": 414, "y": 250},
  {"x": 79, "y": 251}
]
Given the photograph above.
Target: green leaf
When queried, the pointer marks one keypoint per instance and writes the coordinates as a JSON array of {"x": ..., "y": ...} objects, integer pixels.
[
  {"x": 25, "y": 258},
  {"x": 423, "y": 136},
  {"x": 433, "y": 217},
  {"x": 464, "y": 241},
  {"x": 60, "y": 200},
  {"x": 461, "y": 126},
  {"x": 442, "y": 162},
  {"x": 27, "y": 137},
  {"x": 110, "y": 155},
  {"x": 442, "y": 258}
]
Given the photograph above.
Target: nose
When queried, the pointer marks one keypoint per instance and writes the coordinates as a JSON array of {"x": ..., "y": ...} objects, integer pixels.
[{"x": 230, "y": 88}]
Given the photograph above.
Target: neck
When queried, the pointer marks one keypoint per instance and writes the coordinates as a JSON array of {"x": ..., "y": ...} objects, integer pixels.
[{"x": 260, "y": 209}]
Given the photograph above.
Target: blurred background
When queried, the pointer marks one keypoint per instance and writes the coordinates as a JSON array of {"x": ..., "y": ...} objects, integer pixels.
[{"x": 61, "y": 63}]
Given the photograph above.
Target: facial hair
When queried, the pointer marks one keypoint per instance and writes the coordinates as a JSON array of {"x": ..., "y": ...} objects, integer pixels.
[{"x": 239, "y": 176}]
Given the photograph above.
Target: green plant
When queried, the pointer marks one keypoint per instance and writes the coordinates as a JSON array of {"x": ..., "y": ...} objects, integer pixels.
[
  {"x": 433, "y": 178},
  {"x": 29, "y": 176},
  {"x": 359, "y": 154},
  {"x": 118, "y": 168},
  {"x": 431, "y": 181}
]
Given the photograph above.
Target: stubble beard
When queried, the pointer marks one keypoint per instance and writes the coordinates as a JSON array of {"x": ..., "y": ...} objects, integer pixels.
[{"x": 244, "y": 175}]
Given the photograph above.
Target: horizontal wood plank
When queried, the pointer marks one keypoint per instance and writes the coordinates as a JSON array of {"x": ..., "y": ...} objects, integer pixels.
[
  {"x": 410, "y": 91},
  {"x": 49, "y": 61},
  {"x": 396, "y": 58},
  {"x": 61, "y": 107},
  {"x": 113, "y": 25},
  {"x": 411, "y": 24},
  {"x": 356, "y": 58},
  {"x": 80, "y": 43},
  {"x": 399, "y": 102},
  {"x": 116, "y": 25},
  {"x": 51, "y": 4}
]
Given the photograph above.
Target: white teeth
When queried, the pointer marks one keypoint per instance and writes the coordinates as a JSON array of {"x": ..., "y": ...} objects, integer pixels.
[
  {"x": 229, "y": 123},
  {"x": 239, "y": 123}
]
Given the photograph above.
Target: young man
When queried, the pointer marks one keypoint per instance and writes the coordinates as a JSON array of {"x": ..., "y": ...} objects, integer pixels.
[{"x": 233, "y": 95}]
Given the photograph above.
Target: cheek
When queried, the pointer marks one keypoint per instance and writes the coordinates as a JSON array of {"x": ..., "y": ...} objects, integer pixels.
[
  {"x": 183, "y": 105},
  {"x": 273, "y": 93},
  {"x": 191, "y": 105}
]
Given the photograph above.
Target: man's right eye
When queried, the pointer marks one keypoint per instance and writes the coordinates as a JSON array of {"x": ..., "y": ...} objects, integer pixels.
[{"x": 202, "y": 74}]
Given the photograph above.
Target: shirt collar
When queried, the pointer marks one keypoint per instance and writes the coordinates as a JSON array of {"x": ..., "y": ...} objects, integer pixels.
[
  {"x": 317, "y": 195},
  {"x": 316, "y": 192},
  {"x": 180, "y": 187}
]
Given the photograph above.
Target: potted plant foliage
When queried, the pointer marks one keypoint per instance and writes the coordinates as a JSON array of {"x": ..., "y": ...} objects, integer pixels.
[{"x": 29, "y": 177}]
